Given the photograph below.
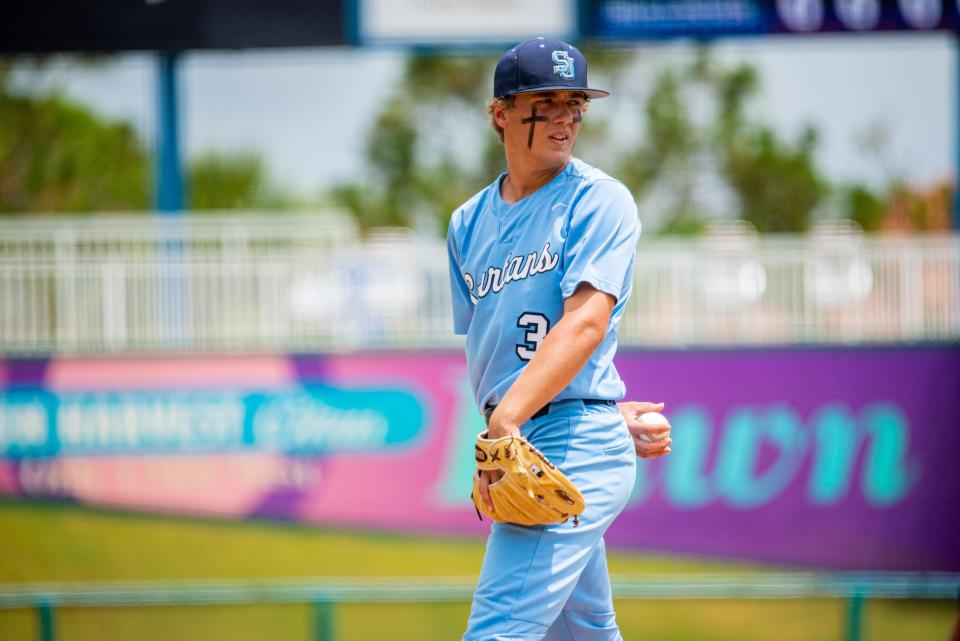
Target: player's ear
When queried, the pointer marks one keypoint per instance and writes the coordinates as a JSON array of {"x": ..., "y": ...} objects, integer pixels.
[{"x": 500, "y": 114}]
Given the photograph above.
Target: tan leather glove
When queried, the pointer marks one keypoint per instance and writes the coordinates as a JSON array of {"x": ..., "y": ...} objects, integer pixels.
[{"x": 532, "y": 491}]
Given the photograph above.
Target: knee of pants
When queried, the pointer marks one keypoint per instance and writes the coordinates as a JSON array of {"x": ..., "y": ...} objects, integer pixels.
[
  {"x": 575, "y": 625},
  {"x": 488, "y": 623}
]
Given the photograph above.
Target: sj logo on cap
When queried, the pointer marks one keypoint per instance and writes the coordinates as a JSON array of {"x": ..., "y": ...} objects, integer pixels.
[{"x": 563, "y": 64}]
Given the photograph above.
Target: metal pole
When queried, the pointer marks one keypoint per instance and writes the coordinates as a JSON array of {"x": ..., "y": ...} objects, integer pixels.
[
  {"x": 956, "y": 133},
  {"x": 47, "y": 621},
  {"x": 323, "y": 621},
  {"x": 854, "y": 617},
  {"x": 169, "y": 183},
  {"x": 351, "y": 19},
  {"x": 170, "y": 192}
]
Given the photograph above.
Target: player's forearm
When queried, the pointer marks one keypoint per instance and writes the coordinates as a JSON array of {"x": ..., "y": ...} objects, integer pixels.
[{"x": 561, "y": 355}]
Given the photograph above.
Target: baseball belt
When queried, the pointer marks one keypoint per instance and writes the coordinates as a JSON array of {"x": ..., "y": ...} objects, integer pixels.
[{"x": 543, "y": 411}]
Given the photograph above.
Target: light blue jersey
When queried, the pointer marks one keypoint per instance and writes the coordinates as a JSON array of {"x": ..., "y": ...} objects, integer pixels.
[{"x": 512, "y": 266}]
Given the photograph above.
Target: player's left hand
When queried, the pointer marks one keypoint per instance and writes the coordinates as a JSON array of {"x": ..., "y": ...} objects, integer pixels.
[{"x": 631, "y": 411}]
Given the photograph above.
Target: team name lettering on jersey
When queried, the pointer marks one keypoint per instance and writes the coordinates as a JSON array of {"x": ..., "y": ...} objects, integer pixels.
[{"x": 494, "y": 279}]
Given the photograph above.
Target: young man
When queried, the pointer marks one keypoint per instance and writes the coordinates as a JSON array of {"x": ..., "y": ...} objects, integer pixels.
[{"x": 541, "y": 266}]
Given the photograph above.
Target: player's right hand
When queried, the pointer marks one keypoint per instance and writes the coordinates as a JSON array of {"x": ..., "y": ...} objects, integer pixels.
[{"x": 631, "y": 411}]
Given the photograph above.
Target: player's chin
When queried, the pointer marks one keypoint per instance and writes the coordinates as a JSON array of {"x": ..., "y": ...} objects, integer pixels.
[{"x": 556, "y": 154}]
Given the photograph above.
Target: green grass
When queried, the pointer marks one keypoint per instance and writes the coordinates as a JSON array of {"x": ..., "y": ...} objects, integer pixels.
[{"x": 51, "y": 542}]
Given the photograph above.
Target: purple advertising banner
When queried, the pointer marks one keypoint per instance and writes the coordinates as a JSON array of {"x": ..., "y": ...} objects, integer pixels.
[{"x": 818, "y": 458}]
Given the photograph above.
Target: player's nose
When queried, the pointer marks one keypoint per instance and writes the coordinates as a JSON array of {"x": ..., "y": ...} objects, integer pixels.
[{"x": 565, "y": 114}]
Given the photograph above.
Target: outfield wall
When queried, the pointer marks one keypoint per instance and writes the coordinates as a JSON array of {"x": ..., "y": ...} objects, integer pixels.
[{"x": 824, "y": 458}]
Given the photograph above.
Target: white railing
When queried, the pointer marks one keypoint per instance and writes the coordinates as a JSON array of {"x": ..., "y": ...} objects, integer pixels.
[
  {"x": 820, "y": 288},
  {"x": 308, "y": 282}
]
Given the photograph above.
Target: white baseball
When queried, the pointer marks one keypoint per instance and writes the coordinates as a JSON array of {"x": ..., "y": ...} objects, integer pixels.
[{"x": 653, "y": 419}]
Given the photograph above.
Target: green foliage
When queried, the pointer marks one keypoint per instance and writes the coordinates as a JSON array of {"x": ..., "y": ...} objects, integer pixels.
[
  {"x": 683, "y": 223},
  {"x": 58, "y": 156},
  {"x": 670, "y": 140},
  {"x": 217, "y": 180},
  {"x": 606, "y": 62},
  {"x": 409, "y": 178},
  {"x": 392, "y": 154},
  {"x": 411, "y": 175},
  {"x": 865, "y": 208},
  {"x": 775, "y": 181},
  {"x": 392, "y": 192},
  {"x": 432, "y": 79},
  {"x": 896, "y": 205},
  {"x": 732, "y": 88}
]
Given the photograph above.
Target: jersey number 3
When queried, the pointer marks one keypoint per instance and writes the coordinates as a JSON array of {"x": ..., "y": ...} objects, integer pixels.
[{"x": 536, "y": 326}]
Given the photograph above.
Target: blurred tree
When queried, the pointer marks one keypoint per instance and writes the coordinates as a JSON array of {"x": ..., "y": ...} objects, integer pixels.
[
  {"x": 695, "y": 129},
  {"x": 237, "y": 180},
  {"x": 864, "y": 207},
  {"x": 910, "y": 209},
  {"x": 896, "y": 206},
  {"x": 58, "y": 156},
  {"x": 431, "y": 147},
  {"x": 413, "y": 171},
  {"x": 778, "y": 183}
]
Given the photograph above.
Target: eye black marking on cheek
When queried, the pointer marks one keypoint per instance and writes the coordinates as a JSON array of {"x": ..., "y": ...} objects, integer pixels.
[
  {"x": 533, "y": 120},
  {"x": 579, "y": 117}
]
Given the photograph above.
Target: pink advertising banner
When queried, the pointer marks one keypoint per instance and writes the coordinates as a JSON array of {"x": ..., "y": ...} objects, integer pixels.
[{"x": 808, "y": 457}]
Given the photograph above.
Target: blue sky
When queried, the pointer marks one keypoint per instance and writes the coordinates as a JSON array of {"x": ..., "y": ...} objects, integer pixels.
[{"x": 307, "y": 110}]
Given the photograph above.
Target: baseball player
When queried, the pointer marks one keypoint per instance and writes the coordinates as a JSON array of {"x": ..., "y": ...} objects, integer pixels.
[{"x": 541, "y": 266}]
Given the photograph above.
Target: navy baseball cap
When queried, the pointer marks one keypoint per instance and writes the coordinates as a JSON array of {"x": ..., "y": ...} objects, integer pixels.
[{"x": 542, "y": 64}]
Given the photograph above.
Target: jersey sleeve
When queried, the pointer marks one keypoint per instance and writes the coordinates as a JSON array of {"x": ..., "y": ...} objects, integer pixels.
[
  {"x": 459, "y": 292},
  {"x": 601, "y": 239}
]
